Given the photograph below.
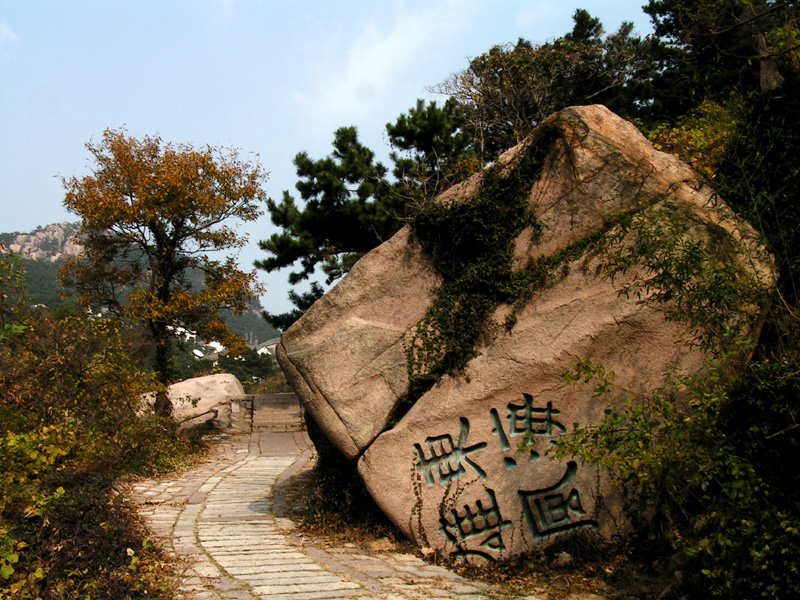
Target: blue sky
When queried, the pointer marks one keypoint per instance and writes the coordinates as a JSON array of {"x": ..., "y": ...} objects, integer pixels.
[{"x": 268, "y": 78}]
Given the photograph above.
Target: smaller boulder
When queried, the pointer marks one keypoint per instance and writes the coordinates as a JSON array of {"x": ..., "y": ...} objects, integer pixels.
[
  {"x": 562, "y": 560},
  {"x": 204, "y": 399}
]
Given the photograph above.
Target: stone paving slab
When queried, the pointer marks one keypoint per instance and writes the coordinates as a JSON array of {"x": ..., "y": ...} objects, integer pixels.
[{"x": 218, "y": 520}]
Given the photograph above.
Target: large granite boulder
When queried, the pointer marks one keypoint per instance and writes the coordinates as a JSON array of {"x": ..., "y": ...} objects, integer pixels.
[{"x": 447, "y": 471}]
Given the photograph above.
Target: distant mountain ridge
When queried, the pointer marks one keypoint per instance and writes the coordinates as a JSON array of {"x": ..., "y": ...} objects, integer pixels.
[
  {"x": 48, "y": 243},
  {"x": 46, "y": 246}
]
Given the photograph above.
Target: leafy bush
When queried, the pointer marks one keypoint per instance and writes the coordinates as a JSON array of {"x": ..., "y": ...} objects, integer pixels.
[
  {"x": 701, "y": 136},
  {"x": 761, "y": 421},
  {"x": 70, "y": 425},
  {"x": 693, "y": 270},
  {"x": 691, "y": 486},
  {"x": 760, "y": 179}
]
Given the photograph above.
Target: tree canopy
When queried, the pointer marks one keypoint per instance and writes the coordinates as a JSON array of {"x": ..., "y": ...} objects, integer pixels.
[
  {"x": 432, "y": 151},
  {"x": 151, "y": 212},
  {"x": 345, "y": 212},
  {"x": 351, "y": 203},
  {"x": 506, "y": 91},
  {"x": 706, "y": 49}
]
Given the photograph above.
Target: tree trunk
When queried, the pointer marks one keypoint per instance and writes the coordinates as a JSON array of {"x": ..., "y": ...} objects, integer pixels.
[
  {"x": 163, "y": 366},
  {"x": 771, "y": 78},
  {"x": 163, "y": 405}
]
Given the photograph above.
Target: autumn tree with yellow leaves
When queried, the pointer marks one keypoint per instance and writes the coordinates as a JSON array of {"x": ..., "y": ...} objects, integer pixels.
[{"x": 154, "y": 216}]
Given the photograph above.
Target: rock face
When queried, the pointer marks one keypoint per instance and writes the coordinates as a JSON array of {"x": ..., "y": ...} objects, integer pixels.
[
  {"x": 449, "y": 473},
  {"x": 49, "y": 243}
]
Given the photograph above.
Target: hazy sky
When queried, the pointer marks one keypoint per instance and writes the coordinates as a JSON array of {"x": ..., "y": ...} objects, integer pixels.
[{"x": 266, "y": 77}]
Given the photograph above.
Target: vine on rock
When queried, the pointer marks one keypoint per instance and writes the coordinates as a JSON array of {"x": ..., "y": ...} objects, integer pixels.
[
  {"x": 472, "y": 244},
  {"x": 693, "y": 270}
]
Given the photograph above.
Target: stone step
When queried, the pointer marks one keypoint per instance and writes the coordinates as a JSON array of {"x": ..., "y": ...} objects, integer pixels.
[{"x": 268, "y": 412}]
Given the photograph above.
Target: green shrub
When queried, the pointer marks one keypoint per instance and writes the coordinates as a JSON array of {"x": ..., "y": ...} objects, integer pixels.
[
  {"x": 762, "y": 422},
  {"x": 759, "y": 177},
  {"x": 690, "y": 485},
  {"x": 70, "y": 425},
  {"x": 701, "y": 136}
]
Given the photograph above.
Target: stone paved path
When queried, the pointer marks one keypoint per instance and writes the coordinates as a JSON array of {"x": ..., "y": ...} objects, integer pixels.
[{"x": 219, "y": 519}]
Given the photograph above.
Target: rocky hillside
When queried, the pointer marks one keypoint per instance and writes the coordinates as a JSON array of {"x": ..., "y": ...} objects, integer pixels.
[
  {"x": 48, "y": 243},
  {"x": 46, "y": 246}
]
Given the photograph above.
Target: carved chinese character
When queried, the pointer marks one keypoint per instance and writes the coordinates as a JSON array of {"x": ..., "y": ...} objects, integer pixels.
[
  {"x": 482, "y": 520},
  {"x": 525, "y": 420},
  {"x": 555, "y": 509},
  {"x": 446, "y": 458}
]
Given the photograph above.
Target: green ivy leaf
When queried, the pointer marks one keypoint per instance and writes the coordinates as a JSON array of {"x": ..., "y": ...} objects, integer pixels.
[{"x": 6, "y": 570}]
